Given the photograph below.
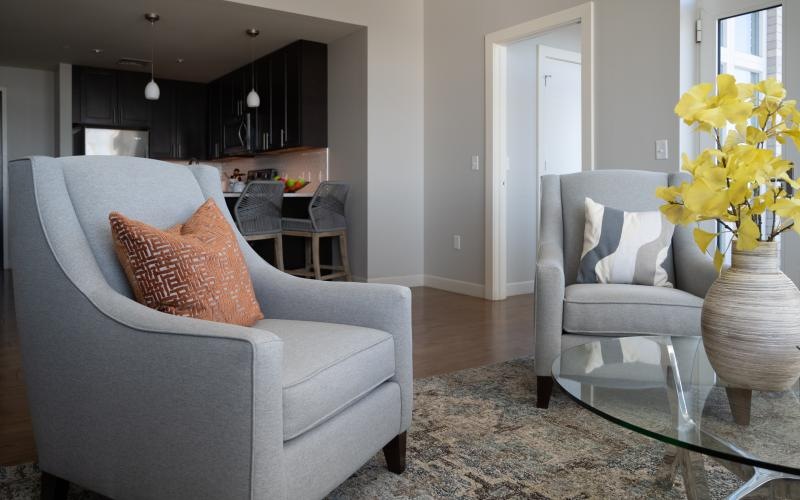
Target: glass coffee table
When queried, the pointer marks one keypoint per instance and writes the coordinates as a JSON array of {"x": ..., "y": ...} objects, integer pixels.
[{"x": 664, "y": 387}]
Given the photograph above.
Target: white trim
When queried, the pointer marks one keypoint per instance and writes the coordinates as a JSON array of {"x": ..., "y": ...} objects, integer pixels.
[
  {"x": 494, "y": 53},
  {"x": 519, "y": 288},
  {"x": 455, "y": 286},
  {"x": 4, "y": 173},
  {"x": 409, "y": 281}
]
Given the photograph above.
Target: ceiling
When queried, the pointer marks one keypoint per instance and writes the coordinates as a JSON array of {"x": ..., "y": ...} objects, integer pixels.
[{"x": 209, "y": 35}]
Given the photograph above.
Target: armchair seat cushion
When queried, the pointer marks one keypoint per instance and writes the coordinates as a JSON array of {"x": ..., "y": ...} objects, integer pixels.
[
  {"x": 615, "y": 310},
  {"x": 326, "y": 368}
]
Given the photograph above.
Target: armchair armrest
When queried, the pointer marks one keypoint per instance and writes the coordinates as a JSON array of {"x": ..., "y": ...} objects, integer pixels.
[
  {"x": 371, "y": 305},
  {"x": 548, "y": 306},
  {"x": 550, "y": 279},
  {"x": 121, "y": 385},
  {"x": 694, "y": 270}
]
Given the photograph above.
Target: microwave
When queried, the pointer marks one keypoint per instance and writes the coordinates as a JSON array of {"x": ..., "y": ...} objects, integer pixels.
[{"x": 236, "y": 136}]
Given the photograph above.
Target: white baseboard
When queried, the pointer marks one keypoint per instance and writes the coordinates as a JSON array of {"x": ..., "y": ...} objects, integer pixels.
[
  {"x": 519, "y": 288},
  {"x": 455, "y": 286},
  {"x": 409, "y": 281}
]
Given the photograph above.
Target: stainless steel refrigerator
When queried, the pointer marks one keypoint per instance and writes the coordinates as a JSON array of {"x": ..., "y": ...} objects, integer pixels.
[{"x": 111, "y": 141}]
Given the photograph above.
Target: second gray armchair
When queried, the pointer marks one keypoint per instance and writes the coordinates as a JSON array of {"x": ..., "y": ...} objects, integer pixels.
[{"x": 568, "y": 313}]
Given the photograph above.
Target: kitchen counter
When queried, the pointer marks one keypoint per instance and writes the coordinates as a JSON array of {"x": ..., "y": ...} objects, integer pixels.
[{"x": 230, "y": 194}]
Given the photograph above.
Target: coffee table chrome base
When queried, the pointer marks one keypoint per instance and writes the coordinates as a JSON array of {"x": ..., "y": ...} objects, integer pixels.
[{"x": 759, "y": 483}]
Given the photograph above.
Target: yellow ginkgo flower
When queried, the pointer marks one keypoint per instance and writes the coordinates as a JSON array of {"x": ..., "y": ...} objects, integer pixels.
[{"x": 740, "y": 180}]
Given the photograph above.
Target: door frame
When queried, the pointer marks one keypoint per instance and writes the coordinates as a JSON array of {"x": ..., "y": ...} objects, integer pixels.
[
  {"x": 495, "y": 44},
  {"x": 4, "y": 173}
]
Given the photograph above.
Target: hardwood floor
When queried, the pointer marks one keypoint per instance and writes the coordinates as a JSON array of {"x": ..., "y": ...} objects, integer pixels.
[
  {"x": 451, "y": 332},
  {"x": 16, "y": 433}
]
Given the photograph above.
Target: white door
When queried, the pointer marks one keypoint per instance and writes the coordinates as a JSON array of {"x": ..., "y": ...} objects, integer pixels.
[{"x": 559, "y": 111}]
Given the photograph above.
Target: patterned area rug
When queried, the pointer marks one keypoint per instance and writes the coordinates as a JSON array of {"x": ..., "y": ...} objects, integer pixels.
[{"x": 478, "y": 434}]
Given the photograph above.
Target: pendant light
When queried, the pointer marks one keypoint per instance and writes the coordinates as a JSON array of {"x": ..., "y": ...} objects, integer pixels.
[
  {"x": 253, "y": 100},
  {"x": 151, "y": 90}
]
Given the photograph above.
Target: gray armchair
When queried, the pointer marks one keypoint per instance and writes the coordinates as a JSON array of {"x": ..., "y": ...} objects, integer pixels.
[
  {"x": 134, "y": 403},
  {"x": 569, "y": 314}
]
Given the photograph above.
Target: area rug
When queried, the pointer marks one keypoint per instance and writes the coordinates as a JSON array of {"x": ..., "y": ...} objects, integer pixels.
[{"x": 478, "y": 434}]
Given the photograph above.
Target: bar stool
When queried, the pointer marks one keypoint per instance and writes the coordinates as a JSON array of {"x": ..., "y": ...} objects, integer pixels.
[
  {"x": 258, "y": 214},
  {"x": 327, "y": 220}
]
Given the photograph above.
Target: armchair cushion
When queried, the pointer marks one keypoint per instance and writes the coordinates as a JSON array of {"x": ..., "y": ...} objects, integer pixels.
[
  {"x": 617, "y": 310},
  {"x": 326, "y": 368}
]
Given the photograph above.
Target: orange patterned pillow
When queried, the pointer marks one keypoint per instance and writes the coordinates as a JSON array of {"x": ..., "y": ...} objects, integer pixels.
[{"x": 195, "y": 269}]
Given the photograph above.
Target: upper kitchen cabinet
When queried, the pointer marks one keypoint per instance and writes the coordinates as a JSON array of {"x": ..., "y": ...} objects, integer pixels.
[
  {"x": 214, "y": 133},
  {"x": 109, "y": 98},
  {"x": 134, "y": 109},
  {"x": 190, "y": 120},
  {"x": 97, "y": 91},
  {"x": 300, "y": 95},
  {"x": 232, "y": 94},
  {"x": 262, "y": 124},
  {"x": 163, "y": 144}
]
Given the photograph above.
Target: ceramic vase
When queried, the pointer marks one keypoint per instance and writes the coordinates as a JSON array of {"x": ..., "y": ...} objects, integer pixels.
[{"x": 751, "y": 322}]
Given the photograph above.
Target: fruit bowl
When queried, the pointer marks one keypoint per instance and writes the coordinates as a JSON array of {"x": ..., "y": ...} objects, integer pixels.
[{"x": 292, "y": 185}]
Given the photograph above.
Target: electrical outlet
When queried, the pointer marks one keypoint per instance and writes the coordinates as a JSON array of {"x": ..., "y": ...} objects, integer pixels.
[
  {"x": 457, "y": 241},
  {"x": 662, "y": 149},
  {"x": 476, "y": 162}
]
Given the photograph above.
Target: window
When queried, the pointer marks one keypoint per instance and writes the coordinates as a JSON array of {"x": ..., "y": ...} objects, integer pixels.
[{"x": 750, "y": 47}]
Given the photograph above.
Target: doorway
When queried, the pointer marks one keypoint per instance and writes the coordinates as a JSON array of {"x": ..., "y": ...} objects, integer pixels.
[
  {"x": 543, "y": 123},
  {"x": 508, "y": 171}
]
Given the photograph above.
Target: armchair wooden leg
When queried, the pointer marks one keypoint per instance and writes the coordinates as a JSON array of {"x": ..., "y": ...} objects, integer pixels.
[
  {"x": 54, "y": 488},
  {"x": 395, "y": 453},
  {"x": 544, "y": 389}
]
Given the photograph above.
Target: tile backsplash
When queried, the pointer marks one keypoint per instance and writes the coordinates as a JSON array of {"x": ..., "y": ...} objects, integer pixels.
[{"x": 309, "y": 164}]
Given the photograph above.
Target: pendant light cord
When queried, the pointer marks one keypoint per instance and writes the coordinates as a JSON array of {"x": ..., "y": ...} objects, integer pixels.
[
  {"x": 152, "y": 50},
  {"x": 252, "y": 64}
]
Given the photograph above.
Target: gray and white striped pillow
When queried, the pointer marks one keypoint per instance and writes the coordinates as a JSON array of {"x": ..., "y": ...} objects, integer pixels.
[{"x": 624, "y": 247}]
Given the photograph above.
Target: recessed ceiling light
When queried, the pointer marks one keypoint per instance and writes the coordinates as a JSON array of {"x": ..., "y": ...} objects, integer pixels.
[
  {"x": 97, "y": 51},
  {"x": 179, "y": 60}
]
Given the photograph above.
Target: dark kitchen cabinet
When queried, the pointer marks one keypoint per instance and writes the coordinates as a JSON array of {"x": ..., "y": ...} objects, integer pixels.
[
  {"x": 162, "y": 126},
  {"x": 300, "y": 95},
  {"x": 98, "y": 96},
  {"x": 134, "y": 109},
  {"x": 232, "y": 95},
  {"x": 190, "y": 120},
  {"x": 214, "y": 120},
  {"x": 109, "y": 98},
  {"x": 277, "y": 101},
  {"x": 262, "y": 121}
]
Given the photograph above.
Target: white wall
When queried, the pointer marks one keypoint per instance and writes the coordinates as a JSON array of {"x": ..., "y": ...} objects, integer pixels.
[
  {"x": 347, "y": 137},
  {"x": 522, "y": 180},
  {"x": 637, "y": 82},
  {"x": 791, "y": 75},
  {"x": 30, "y": 99},
  {"x": 636, "y": 73},
  {"x": 395, "y": 126},
  {"x": 31, "y": 113}
]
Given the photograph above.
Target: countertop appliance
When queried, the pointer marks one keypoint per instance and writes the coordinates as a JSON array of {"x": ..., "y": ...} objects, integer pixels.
[
  {"x": 111, "y": 141},
  {"x": 265, "y": 174}
]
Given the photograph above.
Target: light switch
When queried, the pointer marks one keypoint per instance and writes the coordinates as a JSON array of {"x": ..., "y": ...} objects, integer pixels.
[
  {"x": 457, "y": 241},
  {"x": 662, "y": 148},
  {"x": 476, "y": 162}
]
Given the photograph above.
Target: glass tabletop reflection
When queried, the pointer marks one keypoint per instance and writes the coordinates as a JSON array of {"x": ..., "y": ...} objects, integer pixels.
[{"x": 665, "y": 388}]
